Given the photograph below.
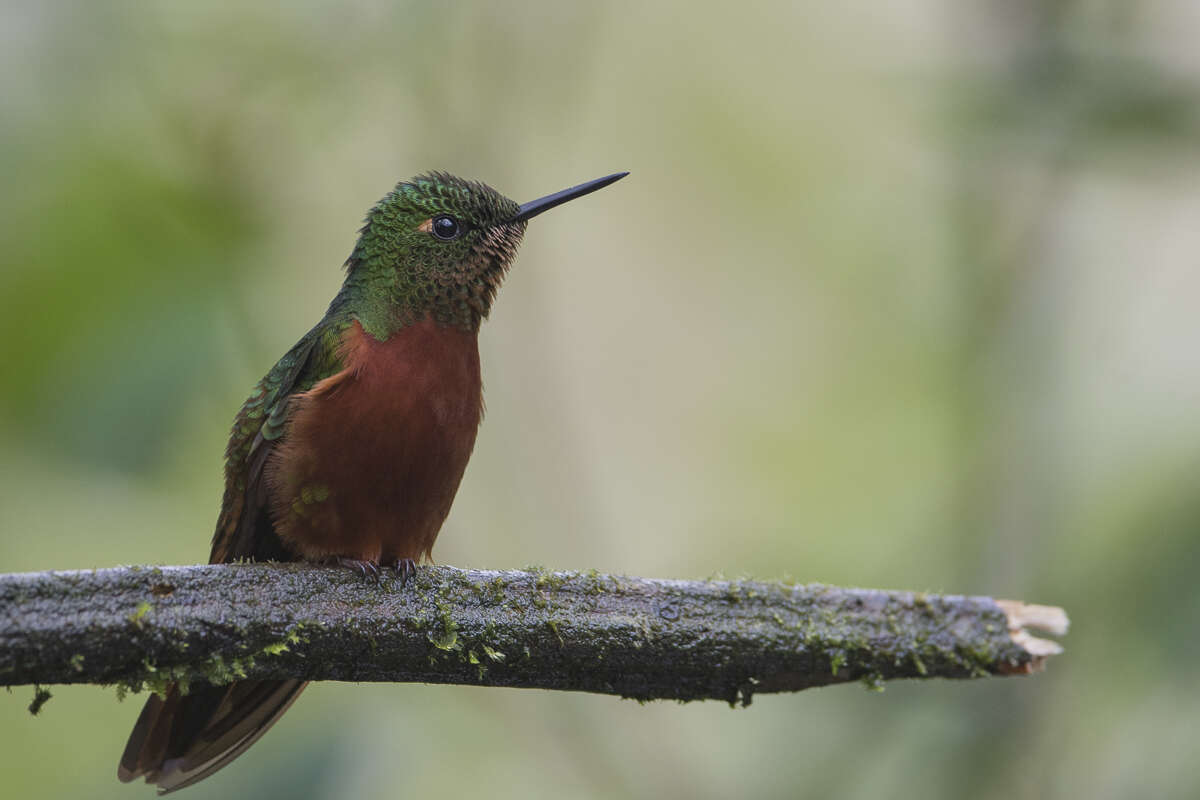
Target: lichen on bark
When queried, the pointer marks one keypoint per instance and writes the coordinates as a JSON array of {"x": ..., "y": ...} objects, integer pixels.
[{"x": 139, "y": 627}]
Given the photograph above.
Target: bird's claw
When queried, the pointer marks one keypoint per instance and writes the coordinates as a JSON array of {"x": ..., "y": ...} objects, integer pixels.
[
  {"x": 405, "y": 568},
  {"x": 365, "y": 568}
]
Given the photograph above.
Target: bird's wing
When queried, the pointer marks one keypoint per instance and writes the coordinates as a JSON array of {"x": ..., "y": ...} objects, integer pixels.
[
  {"x": 244, "y": 528},
  {"x": 183, "y": 737}
]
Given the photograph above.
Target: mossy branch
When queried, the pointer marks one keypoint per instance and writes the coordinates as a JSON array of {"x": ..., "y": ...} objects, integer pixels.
[{"x": 636, "y": 637}]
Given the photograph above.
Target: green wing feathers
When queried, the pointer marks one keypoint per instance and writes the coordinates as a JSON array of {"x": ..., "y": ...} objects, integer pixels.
[
  {"x": 244, "y": 528},
  {"x": 181, "y": 738}
]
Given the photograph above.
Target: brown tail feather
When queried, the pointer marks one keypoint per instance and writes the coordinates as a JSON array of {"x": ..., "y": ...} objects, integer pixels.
[{"x": 181, "y": 739}]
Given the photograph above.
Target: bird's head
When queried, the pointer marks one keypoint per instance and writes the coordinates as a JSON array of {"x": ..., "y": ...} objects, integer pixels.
[{"x": 440, "y": 245}]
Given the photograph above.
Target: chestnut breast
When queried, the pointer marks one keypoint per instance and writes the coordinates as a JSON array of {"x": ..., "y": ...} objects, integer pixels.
[{"x": 373, "y": 456}]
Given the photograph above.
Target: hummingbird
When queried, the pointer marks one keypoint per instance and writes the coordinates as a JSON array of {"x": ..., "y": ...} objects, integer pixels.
[{"x": 351, "y": 449}]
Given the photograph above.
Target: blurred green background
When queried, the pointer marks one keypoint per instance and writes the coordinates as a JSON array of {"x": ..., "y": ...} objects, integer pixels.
[{"x": 899, "y": 294}]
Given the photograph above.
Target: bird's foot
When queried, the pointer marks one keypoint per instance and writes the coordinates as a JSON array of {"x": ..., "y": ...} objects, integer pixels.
[
  {"x": 364, "y": 567},
  {"x": 405, "y": 568}
]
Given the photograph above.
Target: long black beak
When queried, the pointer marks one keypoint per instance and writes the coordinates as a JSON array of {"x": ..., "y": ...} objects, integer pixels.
[{"x": 534, "y": 207}]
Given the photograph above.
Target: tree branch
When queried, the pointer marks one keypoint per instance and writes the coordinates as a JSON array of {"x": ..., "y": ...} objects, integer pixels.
[{"x": 636, "y": 637}]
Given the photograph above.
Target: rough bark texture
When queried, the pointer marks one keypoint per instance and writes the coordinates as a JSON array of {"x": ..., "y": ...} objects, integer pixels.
[{"x": 139, "y": 627}]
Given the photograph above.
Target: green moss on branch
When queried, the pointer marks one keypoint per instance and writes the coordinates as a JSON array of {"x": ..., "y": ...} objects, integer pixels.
[{"x": 139, "y": 627}]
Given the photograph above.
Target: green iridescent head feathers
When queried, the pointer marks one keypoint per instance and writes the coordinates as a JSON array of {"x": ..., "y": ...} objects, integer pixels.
[
  {"x": 438, "y": 245},
  {"x": 404, "y": 267}
]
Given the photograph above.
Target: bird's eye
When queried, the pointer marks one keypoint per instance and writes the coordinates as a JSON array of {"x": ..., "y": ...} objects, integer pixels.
[{"x": 446, "y": 228}]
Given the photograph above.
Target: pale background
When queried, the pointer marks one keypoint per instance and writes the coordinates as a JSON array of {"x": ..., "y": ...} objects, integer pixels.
[{"x": 898, "y": 294}]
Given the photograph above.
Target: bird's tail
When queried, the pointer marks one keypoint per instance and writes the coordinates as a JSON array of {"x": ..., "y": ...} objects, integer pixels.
[{"x": 182, "y": 738}]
